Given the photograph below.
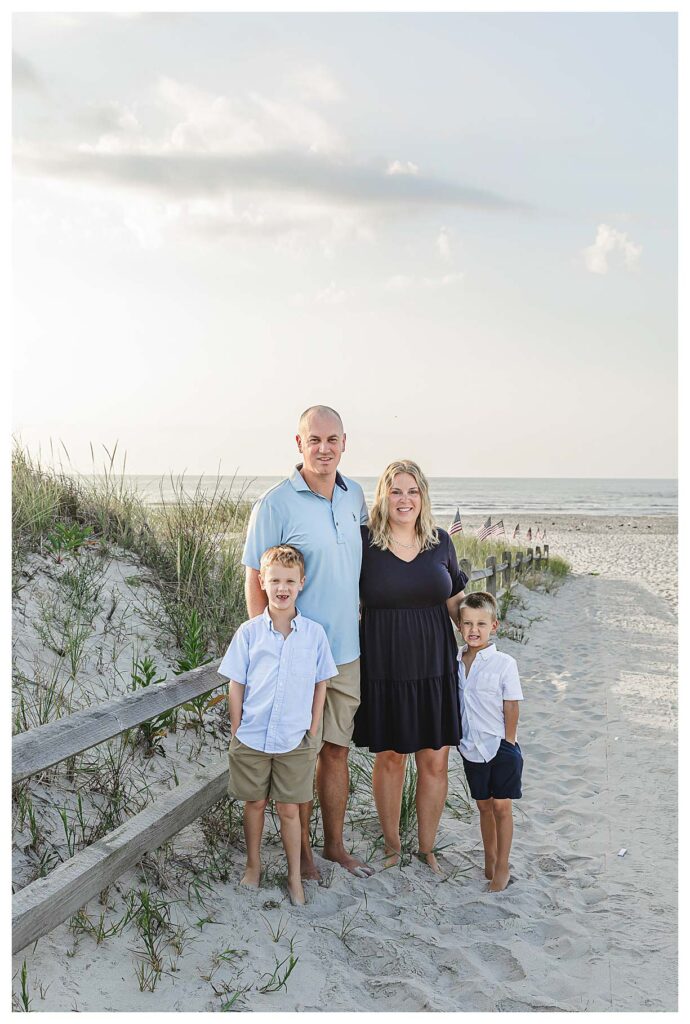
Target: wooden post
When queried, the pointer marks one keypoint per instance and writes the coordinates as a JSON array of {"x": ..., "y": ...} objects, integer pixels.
[
  {"x": 546, "y": 553},
  {"x": 529, "y": 561},
  {"x": 507, "y": 557},
  {"x": 518, "y": 565},
  {"x": 537, "y": 558},
  {"x": 466, "y": 567},
  {"x": 491, "y": 580}
]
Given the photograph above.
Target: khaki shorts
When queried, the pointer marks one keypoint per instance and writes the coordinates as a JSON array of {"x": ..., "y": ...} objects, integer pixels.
[
  {"x": 342, "y": 701},
  {"x": 288, "y": 778}
]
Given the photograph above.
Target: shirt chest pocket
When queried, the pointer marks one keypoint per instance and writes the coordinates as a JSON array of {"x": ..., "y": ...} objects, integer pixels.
[
  {"x": 489, "y": 684},
  {"x": 303, "y": 664}
]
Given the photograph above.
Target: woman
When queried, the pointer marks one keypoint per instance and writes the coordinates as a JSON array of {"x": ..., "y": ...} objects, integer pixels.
[{"x": 410, "y": 589}]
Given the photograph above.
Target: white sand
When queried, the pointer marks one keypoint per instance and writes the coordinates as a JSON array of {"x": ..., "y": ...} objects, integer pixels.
[{"x": 579, "y": 928}]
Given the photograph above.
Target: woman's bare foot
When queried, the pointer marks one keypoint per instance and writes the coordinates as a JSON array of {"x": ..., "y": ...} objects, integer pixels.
[
  {"x": 489, "y": 868},
  {"x": 251, "y": 877},
  {"x": 296, "y": 893},
  {"x": 430, "y": 860},
  {"x": 500, "y": 880}
]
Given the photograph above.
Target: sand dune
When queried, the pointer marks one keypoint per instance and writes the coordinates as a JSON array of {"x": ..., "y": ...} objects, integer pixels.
[{"x": 579, "y": 927}]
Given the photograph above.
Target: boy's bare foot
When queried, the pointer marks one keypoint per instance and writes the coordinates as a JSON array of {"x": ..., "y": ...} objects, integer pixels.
[
  {"x": 500, "y": 880},
  {"x": 347, "y": 861},
  {"x": 296, "y": 893},
  {"x": 391, "y": 858},
  {"x": 251, "y": 877},
  {"x": 489, "y": 868}
]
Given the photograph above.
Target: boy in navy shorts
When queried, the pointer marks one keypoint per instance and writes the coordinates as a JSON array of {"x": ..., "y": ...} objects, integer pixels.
[
  {"x": 490, "y": 692},
  {"x": 278, "y": 665}
]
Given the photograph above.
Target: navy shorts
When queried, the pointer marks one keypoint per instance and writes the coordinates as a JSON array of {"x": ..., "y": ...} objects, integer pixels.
[{"x": 501, "y": 777}]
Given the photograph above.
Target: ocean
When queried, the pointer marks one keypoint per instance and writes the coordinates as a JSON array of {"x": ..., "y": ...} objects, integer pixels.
[{"x": 475, "y": 495}]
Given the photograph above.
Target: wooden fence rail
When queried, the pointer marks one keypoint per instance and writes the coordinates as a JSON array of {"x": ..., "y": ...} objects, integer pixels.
[{"x": 47, "y": 902}]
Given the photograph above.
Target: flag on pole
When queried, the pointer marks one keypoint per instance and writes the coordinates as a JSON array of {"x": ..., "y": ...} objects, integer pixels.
[
  {"x": 538, "y": 536},
  {"x": 516, "y": 531},
  {"x": 456, "y": 525},
  {"x": 543, "y": 534},
  {"x": 487, "y": 530},
  {"x": 529, "y": 533}
]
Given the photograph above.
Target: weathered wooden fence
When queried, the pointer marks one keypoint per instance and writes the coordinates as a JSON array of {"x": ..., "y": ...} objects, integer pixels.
[{"x": 47, "y": 902}]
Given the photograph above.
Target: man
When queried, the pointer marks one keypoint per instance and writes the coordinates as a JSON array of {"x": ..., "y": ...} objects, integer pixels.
[{"x": 319, "y": 512}]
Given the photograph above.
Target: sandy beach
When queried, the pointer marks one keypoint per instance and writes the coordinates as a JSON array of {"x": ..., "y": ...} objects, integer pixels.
[{"x": 580, "y": 927}]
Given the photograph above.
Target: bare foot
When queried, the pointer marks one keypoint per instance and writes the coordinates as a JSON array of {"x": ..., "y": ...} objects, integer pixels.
[
  {"x": 391, "y": 858},
  {"x": 347, "y": 861},
  {"x": 308, "y": 869},
  {"x": 500, "y": 880},
  {"x": 489, "y": 868},
  {"x": 251, "y": 877},
  {"x": 430, "y": 860},
  {"x": 296, "y": 893}
]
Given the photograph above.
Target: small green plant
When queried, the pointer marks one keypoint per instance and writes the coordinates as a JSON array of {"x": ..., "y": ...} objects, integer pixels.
[
  {"x": 276, "y": 932},
  {"x": 278, "y": 980},
  {"x": 24, "y": 997},
  {"x": 151, "y": 916},
  {"x": 65, "y": 538},
  {"x": 194, "y": 655},
  {"x": 143, "y": 675}
]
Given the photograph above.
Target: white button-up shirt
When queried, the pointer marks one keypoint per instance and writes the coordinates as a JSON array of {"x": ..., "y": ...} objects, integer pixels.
[
  {"x": 493, "y": 678},
  {"x": 279, "y": 675}
]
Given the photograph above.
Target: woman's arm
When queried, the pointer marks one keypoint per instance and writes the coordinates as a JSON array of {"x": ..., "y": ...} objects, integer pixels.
[{"x": 453, "y": 606}]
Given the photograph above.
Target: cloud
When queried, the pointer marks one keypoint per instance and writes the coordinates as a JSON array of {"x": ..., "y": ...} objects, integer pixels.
[
  {"x": 403, "y": 282},
  {"x": 315, "y": 85},
  {"x": 331, "y": 295},
  {"x": 607, "y": 243},
  {"x": 443, "y": 244},
  {"x": 398, "y": 167},
  {"x": 24, "y": 75}
]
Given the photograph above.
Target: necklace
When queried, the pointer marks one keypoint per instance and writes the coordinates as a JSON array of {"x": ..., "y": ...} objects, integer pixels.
[{"x": 400, "y": 543}]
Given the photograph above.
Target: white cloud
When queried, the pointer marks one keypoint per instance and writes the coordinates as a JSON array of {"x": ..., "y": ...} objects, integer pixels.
[
  {"x": 607, "y": 243},
  {"x": 315, "y": 85},
  {"x": 443, "y": 244},
  {"x": 398, "y": 167},
  {"x": 403, "y": 282}
]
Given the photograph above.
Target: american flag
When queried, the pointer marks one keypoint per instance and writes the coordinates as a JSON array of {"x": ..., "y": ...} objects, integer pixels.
[
  {"x": 516, "y": 531},
  {"x": 456, "y": 525},
  {"x": 487, "y": 530},
  {"x": 529, "y": 533}
]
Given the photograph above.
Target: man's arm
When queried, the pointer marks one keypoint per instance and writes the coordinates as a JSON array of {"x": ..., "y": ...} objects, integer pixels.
[
  {"x": 253, "y": 594},
  {"x": 511, "y": 713}
]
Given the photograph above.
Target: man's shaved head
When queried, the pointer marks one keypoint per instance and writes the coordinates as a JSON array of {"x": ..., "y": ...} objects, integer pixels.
[{"x": 317, "y": 410}]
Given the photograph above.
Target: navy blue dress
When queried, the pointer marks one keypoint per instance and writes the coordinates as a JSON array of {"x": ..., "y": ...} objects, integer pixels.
[{"x": 409, "y": 668}]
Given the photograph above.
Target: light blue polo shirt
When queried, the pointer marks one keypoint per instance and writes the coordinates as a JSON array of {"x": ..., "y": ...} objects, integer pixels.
[
  {"x": 279, "y": 675},
  {"x": 327, "y": 533}
]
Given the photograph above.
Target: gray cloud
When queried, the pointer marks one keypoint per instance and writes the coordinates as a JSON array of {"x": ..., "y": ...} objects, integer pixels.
[
  {"x": 184, "y": 175},
  {"x": 23, "y": 74}
]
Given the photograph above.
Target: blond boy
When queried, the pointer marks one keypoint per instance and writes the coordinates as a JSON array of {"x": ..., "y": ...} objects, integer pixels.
[
  {"x": 278, "y": 664},
  {"x": 490, "y": 693}
]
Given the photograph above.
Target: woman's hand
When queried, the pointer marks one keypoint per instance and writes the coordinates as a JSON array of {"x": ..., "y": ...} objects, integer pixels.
[{"x": 453, "y": 606}]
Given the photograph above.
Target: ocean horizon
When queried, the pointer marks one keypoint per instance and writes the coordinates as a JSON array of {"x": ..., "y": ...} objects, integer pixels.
[{"x": 472, "y": 495}]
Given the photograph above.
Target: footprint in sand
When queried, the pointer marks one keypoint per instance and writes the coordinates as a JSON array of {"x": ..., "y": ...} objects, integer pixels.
[{"x": 497, "y": 962}]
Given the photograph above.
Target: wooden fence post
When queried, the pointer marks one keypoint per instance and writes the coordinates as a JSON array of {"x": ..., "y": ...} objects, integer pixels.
[
  {"x": 507, "y": 557},
  {"x": 537, "y": 558},
  {"x": 529, "y": 561},
  {"x": 491, "y": 580},
  {"x": 518, "y": 565},
  {"x": 466, "y": 567},
  {"x": 546, "y": 553}
]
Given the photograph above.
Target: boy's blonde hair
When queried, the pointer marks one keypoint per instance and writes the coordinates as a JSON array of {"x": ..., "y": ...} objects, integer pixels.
[
  {"x": 426, "y": 532},
  {"x": 283, "y": 554},
  {"x": 480, "y": 599}
]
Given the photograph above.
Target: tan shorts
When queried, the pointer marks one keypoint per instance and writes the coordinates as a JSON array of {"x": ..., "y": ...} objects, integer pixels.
[
  {"x": 342, "y": 701},
  {"x": 288, "y": 778}
]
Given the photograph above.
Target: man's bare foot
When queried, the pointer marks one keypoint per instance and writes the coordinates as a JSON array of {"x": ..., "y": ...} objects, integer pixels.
[
  {"x": 489, "y": 868},
  {"x": 308, "y": 869},
  {"x": 296, "y": 893},
  {"x": 500, "y": 880},
  {"x": 347, "y": 861},
  {"x": 430, "y": 860},
  {"x": 251, "y": 877}
]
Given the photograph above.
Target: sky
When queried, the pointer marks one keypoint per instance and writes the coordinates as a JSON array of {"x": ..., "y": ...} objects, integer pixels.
[{"x": 460, "y": 230}]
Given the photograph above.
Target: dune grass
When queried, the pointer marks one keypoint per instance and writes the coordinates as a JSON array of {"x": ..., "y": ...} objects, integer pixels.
[{"x": 468, "y": 546}]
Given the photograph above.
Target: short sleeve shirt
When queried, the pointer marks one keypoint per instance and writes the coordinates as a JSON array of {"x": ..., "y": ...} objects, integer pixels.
[
  {"x": 279, "y": 675},
  {"x": 493, "y": 678},
  {"x": 328, "y": 535}
]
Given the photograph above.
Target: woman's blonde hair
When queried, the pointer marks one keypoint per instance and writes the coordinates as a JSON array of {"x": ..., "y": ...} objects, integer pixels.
[{"x": 379, "y": 526}]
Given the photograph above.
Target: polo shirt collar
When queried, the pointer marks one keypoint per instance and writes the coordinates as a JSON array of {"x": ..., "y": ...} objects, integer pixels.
[
  {"x": 294, "y": 624},
  {"x": 486, "y": 654},
  {"x": 300, "y": 484}
]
